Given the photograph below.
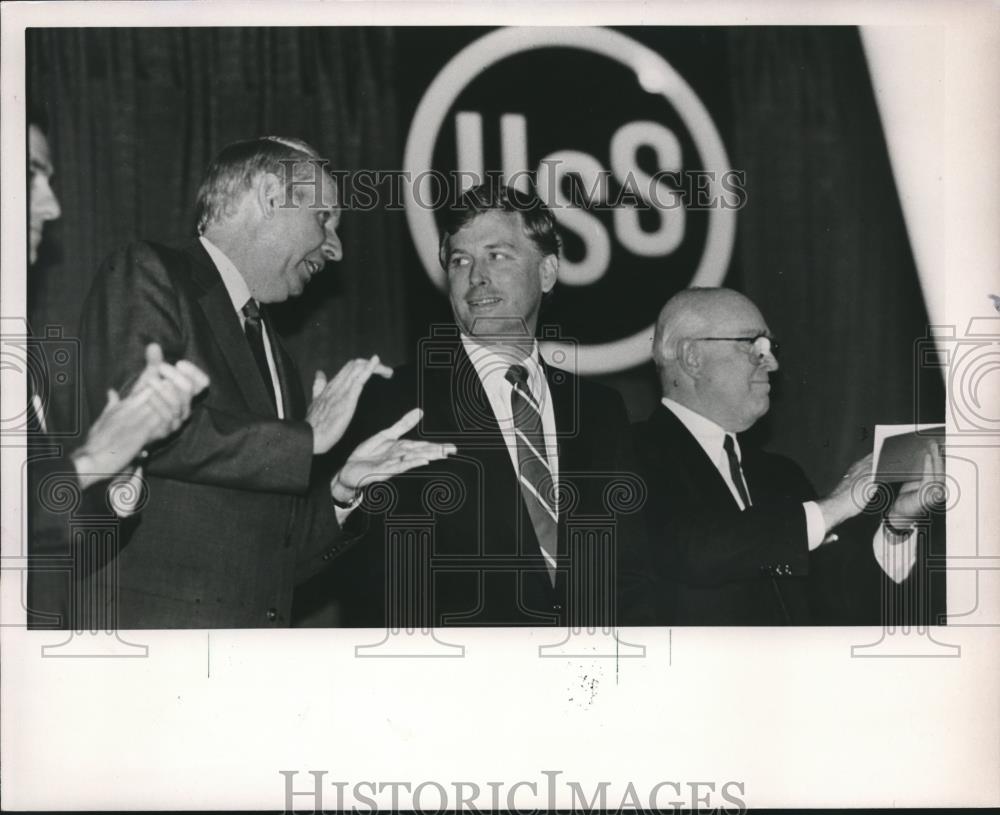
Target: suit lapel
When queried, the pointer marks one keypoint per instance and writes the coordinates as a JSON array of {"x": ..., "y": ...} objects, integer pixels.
[
  {"x": 218, "y": 309},
  {"x": 455, "y": 402},
  {"x": 675, "y": 438},
  {"x": 569, "y": 442},
  {"x": 291, "y": 391}
]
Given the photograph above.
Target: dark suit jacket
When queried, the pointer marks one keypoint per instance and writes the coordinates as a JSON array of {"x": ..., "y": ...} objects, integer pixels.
[
  {"x": 453, "y": 541},
  {"x": 59, "y": 516},
  {"x": 233, "y": 520},
  {"x": 724, "y": 566}
]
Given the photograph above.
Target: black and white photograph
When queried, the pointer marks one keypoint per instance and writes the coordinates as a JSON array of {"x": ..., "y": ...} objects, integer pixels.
[{"x": 384, "y": 385}]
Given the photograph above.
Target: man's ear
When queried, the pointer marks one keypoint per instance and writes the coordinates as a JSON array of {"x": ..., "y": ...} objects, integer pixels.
[
  {"x": 548, "y": 272},
  {"x": 269, "y": 194},
  {"x": 689, "y": 358}
]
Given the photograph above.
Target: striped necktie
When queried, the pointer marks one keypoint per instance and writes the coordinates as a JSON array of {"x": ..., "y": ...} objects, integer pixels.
[
  {"x": 735, "y": 471},
  {"x": 534, "y": 473}
]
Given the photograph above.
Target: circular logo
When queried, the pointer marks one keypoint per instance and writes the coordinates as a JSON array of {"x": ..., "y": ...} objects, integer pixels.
[{"x": 634, "y": 126}]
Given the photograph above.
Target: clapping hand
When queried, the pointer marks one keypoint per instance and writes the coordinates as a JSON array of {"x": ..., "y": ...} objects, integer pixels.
[
  {"x": 334, "y": 402},
  {"x": 384, "y": 455},
  {"x": 167, "y": 390},
  {"x": 157, "y": 405}
]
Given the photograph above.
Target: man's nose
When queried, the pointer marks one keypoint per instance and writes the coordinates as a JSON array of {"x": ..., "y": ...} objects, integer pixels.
[
  {"x": 332, "y": 250},
  {"x": 46, "y": 204},
  {"x": 769, "y": 362},
  {"x": 477, "y": 273}
]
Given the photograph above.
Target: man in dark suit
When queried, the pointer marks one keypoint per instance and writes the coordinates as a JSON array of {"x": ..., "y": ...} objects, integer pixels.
[
  {"x": 234, "y": 519},
  {"x": 534, "y": 521},
  {"x": 737, "y": 534},
  {"x": 58, "y": 481}
]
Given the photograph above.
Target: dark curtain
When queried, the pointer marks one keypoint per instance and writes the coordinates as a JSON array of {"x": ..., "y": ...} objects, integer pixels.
[
  {"x": 822, "y": 245},
  {"x": 135, "y": 115}
]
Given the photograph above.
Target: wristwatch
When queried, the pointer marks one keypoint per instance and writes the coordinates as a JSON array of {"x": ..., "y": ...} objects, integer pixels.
[
  {"x": 352, "y": 504},
  {"x": 900, "y": 533}
]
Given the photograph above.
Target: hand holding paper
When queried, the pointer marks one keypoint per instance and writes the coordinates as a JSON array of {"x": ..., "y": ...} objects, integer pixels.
[{"x": 917, "y": 497}]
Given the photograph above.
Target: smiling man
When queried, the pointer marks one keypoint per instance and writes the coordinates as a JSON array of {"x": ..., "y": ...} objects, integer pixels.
[
  {"x": 540, "y": 456},
  {"x": 737, "y": 534},
  {"x": 234, "y": 518}
]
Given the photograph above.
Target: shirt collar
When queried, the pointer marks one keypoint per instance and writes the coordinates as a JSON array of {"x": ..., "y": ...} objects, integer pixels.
[
  {"x": 235, "y": 285},
  {"x": 707, "y": 433},
  {"x": 493, "y": 361}
]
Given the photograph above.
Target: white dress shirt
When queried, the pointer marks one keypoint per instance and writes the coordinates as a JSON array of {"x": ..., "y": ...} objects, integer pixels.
[
  {"x": 492, "y": 363},
  {"x": 239, "y": 294}
]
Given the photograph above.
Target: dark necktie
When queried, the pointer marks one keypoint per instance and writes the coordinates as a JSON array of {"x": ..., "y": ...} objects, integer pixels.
[
  {"x": 737, "y": 474},
  {"x": 537, "y": 484},
  {"x": 735, "y": 471},
  {"x": 252, "y": 327}
]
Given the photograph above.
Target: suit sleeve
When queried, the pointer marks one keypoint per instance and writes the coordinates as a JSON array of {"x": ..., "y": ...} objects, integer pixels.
[
  {"x": 322, "y": 538},
  {"x": 136, "y": 301},
  {"x": 54, "y": 499}
]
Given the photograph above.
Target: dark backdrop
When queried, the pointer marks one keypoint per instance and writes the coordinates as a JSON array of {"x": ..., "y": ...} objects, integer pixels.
[{"x": 136, "y": 114}]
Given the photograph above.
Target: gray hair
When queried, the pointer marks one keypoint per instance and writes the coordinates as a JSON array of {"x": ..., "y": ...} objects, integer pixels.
[{"x": 234, "y": 170}]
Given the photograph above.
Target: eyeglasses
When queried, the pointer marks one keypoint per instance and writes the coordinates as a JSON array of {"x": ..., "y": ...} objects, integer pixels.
[{"x": 757, "y": 347}]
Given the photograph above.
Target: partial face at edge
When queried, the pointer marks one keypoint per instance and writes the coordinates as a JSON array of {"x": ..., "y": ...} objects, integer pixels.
[{"x": 42, "y": 202}]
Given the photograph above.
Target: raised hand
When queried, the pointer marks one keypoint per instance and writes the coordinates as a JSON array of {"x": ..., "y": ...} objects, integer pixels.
[
  {"x": 384, "y": 455},
  {"x": 334, "y": 402},
  {"x": 842, "y": 503},
  {"x": 168, "y": 390},
  {"x": 157, "y": 405}
]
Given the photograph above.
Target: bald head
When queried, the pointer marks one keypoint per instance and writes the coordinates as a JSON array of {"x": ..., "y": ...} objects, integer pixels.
[{"x": 704, "y": 362}]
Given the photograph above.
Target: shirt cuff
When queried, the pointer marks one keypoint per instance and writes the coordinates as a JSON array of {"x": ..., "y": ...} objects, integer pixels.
[
  {"x": 895, "y": 554},
  {"x": 342, "y": 515},
  {"x": 815, "y": 525}
]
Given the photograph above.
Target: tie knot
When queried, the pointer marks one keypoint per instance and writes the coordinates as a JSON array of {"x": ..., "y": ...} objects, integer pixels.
[
  {"x": 518, "y": 375},
  {"x": 252, "y": 311}
]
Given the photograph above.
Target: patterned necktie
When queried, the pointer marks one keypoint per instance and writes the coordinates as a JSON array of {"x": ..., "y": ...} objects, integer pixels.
[
  {"x": 534, "y": 474},
  {"x": 735, "y": 471},
  {"x": 252, "y": 327}
]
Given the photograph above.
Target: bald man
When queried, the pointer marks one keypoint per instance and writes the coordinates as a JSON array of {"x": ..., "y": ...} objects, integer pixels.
[{"x": 736, "y": 531}]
